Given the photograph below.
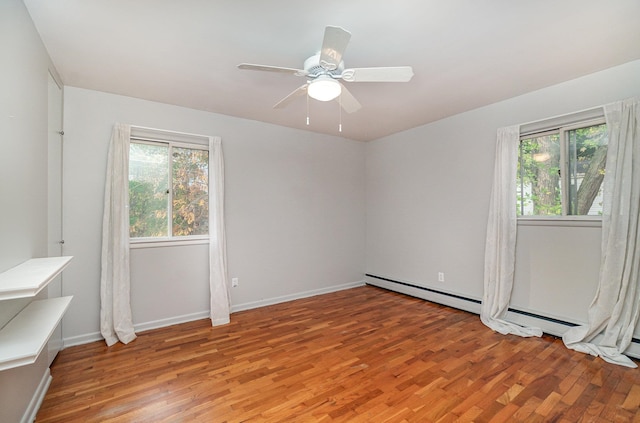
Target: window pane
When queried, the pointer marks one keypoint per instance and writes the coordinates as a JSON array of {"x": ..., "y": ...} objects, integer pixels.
[
  {"x": 587, "y": 158},
  {"x": 190, "y": 192},
  {"x": 148, "y": 186},
  {"x": 538, "y": 180}
]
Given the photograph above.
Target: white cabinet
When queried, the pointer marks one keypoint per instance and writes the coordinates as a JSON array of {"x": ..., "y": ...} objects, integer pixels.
[{"x": 25, "y": 336}]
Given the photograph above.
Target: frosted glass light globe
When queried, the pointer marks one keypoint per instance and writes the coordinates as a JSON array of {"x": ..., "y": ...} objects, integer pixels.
[{"x": 324, "y": 88}]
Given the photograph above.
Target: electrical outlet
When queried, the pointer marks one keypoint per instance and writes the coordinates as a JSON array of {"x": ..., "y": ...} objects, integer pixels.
[
  {"x": 234, "y": 282},
  {"x": 440, "y": 276}
]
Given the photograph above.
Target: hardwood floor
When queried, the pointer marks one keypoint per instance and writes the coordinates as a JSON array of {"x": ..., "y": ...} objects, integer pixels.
[{"x": 361, "y": 355}]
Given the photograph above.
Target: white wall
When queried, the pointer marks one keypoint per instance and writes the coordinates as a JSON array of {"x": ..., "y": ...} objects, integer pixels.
[
  {"x": 428, "y": 194},
  {"x": 23, "y": 113},
  {"x": 294, "y": 210},
  {"x": 23, "y": 178},
  {"x": 557, "y": 270}
]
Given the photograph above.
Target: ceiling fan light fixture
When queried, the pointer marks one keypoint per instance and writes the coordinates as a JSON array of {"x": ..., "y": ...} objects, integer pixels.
[{"x": 324, "y": 88}]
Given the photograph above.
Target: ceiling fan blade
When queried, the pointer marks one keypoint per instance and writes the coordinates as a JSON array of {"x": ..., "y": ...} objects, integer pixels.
[
  {"x": 348, "y": 101},
  {"x": 298, "y": 92},
  {"x": 249, "y": 66},
  {"x": 386, "y": 74},
  {"x": 333, "y": 47}
]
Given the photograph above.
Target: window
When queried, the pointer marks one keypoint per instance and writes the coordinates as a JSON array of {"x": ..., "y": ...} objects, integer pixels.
[
  {"x": 560, "y": 171},
  {"x": 168, "y": 190}
]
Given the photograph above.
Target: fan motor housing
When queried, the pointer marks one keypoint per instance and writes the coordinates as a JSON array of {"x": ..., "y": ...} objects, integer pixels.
[{"x": 312, "y": 66}]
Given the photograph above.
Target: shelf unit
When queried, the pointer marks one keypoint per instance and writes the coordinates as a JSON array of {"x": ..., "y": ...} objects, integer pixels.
[
  {"x": 29, "y": 278},
  {"x": 25, "y": 336}
]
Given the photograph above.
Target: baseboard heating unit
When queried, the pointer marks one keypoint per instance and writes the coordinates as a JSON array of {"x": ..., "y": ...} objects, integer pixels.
[{"x": 549, "y": 325}]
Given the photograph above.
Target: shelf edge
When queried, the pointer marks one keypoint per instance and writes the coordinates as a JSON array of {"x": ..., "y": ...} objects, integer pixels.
[
  {"x": 32, "y": 291},
  {"x": 18, "y": 360}
]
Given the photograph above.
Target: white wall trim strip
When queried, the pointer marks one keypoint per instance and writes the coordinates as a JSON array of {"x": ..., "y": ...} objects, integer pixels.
[
  {"x": 296, "y": 296},
  {"x": 155, "y": 324},
  {"x": 549, "y": 325},
  {"x": 38, "y": 396},
  {"x": 141, "y": 327}
]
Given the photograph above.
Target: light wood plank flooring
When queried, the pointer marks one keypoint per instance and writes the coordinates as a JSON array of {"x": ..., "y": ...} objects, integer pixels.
[{"x": 360, "y": 355}]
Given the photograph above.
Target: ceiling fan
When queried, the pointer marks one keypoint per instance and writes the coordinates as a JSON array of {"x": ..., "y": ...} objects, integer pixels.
[{"x": 324, "y": 70}]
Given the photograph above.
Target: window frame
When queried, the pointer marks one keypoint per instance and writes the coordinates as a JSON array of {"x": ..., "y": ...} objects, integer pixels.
[
  {"x": 562, "y": 126},
  {"x": 171, "y": 140}
]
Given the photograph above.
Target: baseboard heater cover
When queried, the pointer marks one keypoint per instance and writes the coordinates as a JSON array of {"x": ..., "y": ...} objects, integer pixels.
[{"x": 475, "y": 301}]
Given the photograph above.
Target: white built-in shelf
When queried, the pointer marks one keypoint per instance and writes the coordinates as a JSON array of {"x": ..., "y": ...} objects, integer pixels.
[
  {"x": 25, "y": 336},
  {"x": 28, "y": 278}
]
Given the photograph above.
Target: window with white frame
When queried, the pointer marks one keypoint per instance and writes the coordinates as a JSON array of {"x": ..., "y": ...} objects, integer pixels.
[
  {"x": 560, "y": 170},
  {"x": 168, "y": 190}
]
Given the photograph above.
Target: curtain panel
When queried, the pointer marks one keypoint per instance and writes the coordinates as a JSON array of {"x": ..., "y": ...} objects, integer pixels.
[
  {"x": 218, "y": 278},
  {"x": 115, "y": 309},
  {"x": 500, "y": 246},
  {"x": 613, "y": 314}
]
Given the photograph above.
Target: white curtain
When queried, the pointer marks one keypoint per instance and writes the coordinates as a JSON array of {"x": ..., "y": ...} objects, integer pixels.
[
  {"x": 500, "y": 247},
  {"x": 218, "y": 279},
  {"x": 614, "y": 310},
  {"x": 115, "y": 309}
]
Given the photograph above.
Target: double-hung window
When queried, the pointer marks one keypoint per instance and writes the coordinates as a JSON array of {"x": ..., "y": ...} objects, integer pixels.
[
  {"x": 560, "y": 170},
  {"x": 168, "y": 190}
]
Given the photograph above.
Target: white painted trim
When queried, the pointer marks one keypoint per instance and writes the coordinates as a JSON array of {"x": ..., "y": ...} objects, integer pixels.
[
  {"x": 37, "y": 398},
  {"x": 568, "y": 221},
  {"x": 559, "y": 121},
  {"x": 141, "y": 327},
  {"x": 546, "y": 314},
  {"x": 155, "y": 324},
  {"x": 297, "y": 296},
  {"x": 82, "y": 339},
  {"x": 442, "y": 299},
  {"x": 168, "y": 135},
  {"x": 558, "y": 329},
  {"x": 633, "y": 350},
  {"x": 549, "y": 327},
  {"x": 553, "y": 328},
  {"x": 167, "y": 242}
]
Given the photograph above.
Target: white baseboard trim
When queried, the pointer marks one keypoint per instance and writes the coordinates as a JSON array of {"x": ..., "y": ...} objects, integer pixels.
[
  {"x": 296, "y": 296},
  {"x": 38, "y": 396},
  {"x": 81, "y": 339},
  {"x": 161, "y": 323},
  {"x": 558, "y": 329},
  {"x": 548, "y": 324},
  {"x": 444, "y": 298},
  {"x": 141, "y": 327},
  {"x": 552, "y": 328},
  {"x": 633, "y": 350},
  {"x": 447, "y": 299}
]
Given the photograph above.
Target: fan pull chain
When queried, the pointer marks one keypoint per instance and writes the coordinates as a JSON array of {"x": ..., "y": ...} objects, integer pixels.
[
  {"x": 340, "y": 111},
  {"x": 307, "y": 108}
]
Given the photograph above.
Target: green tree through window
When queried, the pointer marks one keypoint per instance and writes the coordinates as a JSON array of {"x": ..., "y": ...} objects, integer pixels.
[
  {"x": 167, "y": 180},
  {"x": 560, "y": 172},
  {"x": 190, "y": 192}
]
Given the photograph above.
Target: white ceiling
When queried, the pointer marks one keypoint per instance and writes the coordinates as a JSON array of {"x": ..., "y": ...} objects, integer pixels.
[{"x": 464, "y": 53}]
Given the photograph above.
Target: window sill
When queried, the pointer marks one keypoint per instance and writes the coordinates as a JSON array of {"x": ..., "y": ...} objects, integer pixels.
[
  {"x": 159, "y": 242},
  {"x": 568, "y": 221}
]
